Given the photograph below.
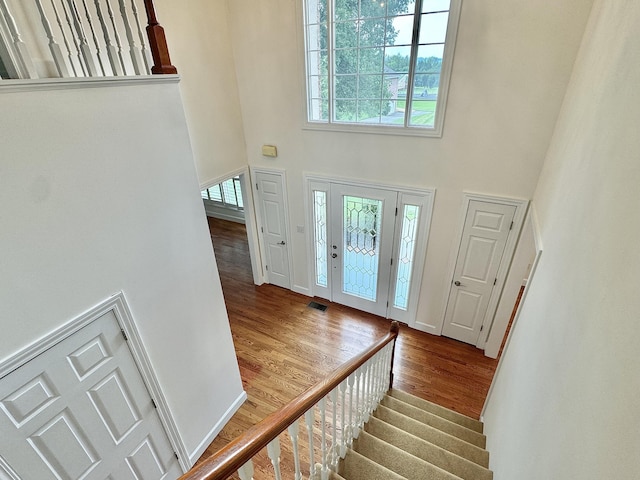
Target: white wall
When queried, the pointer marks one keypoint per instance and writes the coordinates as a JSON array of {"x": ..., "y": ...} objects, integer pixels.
[
  {"x": 98, "y": 194},
  {"x": 565, "y": 403},
  {"x": 199, "y": 43},
  {"x": 513, "y": 61}
]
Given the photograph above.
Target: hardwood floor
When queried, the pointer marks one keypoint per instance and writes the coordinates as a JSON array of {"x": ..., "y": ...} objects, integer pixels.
[{"x": 284, "y": 346}]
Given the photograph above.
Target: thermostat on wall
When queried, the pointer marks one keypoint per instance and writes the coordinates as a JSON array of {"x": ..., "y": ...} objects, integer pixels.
[{"x": 269, "y": 151}]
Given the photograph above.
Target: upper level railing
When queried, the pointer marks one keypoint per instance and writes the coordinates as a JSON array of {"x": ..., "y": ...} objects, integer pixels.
[
  {"x": 334, "y": 412},
  {"x": 81, "y": 38}
]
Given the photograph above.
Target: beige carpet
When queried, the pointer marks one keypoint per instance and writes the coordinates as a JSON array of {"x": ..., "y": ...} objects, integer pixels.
[{"x": 410, "y": 438}]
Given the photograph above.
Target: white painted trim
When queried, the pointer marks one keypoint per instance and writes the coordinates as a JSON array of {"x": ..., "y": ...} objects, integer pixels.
[
  {"x": 319, "y": 177},
  {"x": 223, "y": 178},
  {"x": 118, "y": 305},
  {"x": 6, "y": 472},
  {"x": 215, "y": 210},
  {"x": 302, "y": 290},
  {"x": 250, "y": 222},
  {"x": 538, "y": 241},
  {"x": 287, "y": 230},
  {"x": 217, "y": 428},
  {"x": 518, "y": 219},
  {"x": 46, "y": 84}
]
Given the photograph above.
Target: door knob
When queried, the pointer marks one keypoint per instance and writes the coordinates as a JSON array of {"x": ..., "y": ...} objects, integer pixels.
[
  {"x": 281, "y": 243},
  {"x": 458, "y": 284},
  {"x": 334, "y": 255}
]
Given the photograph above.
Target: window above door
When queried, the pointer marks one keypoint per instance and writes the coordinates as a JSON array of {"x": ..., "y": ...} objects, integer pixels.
[{"x": 379, "y": 65}]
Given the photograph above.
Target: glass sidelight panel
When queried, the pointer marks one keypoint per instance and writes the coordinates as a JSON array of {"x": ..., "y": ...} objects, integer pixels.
[
  {"x": 361, "y": 246},
  {"x": 320, "y": 235},
  {"x": 408, "y": 238}
]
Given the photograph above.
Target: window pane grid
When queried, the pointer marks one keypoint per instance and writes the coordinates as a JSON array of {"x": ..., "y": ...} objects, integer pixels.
[
  {"x": 406, "y": 254},
  {"x": 227, "y": 193}
]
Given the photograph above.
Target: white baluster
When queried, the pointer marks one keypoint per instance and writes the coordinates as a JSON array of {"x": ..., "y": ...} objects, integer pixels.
[
  {"x": 67, "y": 16},
  {"x": 64, "y": 38},
  {"x": 85, "y": 49},
  {"x": 309, "y": 419},
  {"x": 351, "y": 380},
  {"x": 95, "y": 38},
  {"x": 356, "y": 424},
  {"x": 112, "y": 51},
  {"x": 343, "y": 419},
  {"x": 366, "y": 384},
  {"x": 56, "y": 51},
  {"x": 138, "y": 66},
  {"x": 294, "y": 430},
  {"x": 24, "y": 57},
  {"x": 334, "y": 430},
  {"x": 273, "y": 451},
  {"x": 245, "y": 472},
  {"x": 116, "y": 36},
  {"x": 146, "y": 53},
  {"x": 323, "y": 429}
]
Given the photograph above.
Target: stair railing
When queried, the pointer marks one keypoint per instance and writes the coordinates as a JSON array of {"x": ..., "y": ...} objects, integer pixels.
[
  {"x": 344, "y": 400},
  {"x": 83, "y": 38}
]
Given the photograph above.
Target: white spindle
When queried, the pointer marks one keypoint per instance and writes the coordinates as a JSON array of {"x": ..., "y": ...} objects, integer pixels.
[
  {"x": 116, "y": 36},
  {"x": 146, "y": 53},
  {"x": 356, "y": 423},
  {"x": 351, "y": 380},
  {"x": 138, "y": 66},
  {"x": 64, "y": 38},
  {"x": 309, "y": 419},
  {"x": 324, "y": 473},
  {"x": 87, "y": 54},
  {"x": 67, "y": 16},
  {"x": 112, "y": 51},
  {"x": 245, "y": 472},
  {"x": 24, "y": 57},
  {"x": 56, "y": 51},
  {"x": 94, "y": 37},
  {"x": 273, "y": 451},
  {"x": 294, "y": 430},
  {"x": 334, "y": 430},
  {"x": 343, "y": 419}
]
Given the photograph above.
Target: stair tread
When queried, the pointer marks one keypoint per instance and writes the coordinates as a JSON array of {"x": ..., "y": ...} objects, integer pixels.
[
  {"x": 438, "y": 456},
  {"x": 435, "y": 421},
  {"x": 465, "y": 421},
  {"x": 358, "y": 467},
  {"x": 433, "y": 435},
  {"x": 399, "y": 461}
]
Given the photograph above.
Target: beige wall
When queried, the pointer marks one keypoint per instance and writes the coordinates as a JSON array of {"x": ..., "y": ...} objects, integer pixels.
[
  {"x": 565, "y": 404},
  {"x": 199, "y": 43},
  {"x": 513, "y": 61},
  {"x": 98, "y": 194}
]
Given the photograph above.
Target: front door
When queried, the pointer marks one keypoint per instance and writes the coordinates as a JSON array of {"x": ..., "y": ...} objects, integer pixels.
[
  {"x": 482, "y": 246},
  {"x": 363, "y": 222},
  {"x": 273, "y": 228},
  {"x": 81, "y": 410}
]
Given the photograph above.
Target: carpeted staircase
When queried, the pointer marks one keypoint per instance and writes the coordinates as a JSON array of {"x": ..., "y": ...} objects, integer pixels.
[{"x": 410, "y": 438}]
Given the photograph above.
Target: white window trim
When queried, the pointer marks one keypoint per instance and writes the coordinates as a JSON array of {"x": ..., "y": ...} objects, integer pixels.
[{"x": 443, "y": 94}]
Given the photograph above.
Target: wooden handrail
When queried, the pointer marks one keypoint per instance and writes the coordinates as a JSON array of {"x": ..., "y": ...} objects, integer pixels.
[
  {"x": 229, "y": 459},
  {"x": 158, "y": 43}
]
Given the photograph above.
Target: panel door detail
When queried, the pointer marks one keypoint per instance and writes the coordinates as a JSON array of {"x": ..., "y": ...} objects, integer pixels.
[
  {"x": 363, "y": 224},
  {"x": 482, "y": 246},
  {"x": 271, "y": 199},
  {"x": 80, "y": 410}
]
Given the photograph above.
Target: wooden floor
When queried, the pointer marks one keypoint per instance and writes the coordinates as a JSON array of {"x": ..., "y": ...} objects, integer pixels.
[{"x": 283, "y": 346}]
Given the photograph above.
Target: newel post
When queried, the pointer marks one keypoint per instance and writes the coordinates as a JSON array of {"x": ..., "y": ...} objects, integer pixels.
[
  {"x": 395, "y": 328},
  {"x": 158, "y": 43}
]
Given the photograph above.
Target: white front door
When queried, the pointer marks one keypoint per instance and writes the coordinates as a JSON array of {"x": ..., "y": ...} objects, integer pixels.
[
  {"x": 270, "y": 193},
  {"x": 363, "y": 222},
  {"x": 80, "y": 410},
  {"x": 482, "y": 246}
]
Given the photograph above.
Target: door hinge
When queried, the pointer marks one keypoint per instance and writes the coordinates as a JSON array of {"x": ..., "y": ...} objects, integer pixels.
[
  {"x": 392, "y": 261},
  {"x": 153, "y": 402},
  {"x": 124, "y": 335},
  {"x": 495, "y": 280},
  {"x": 257, "y": 188},
  {"x": 266, "y": 267},
  {"x": 511, "y": 227},
  {"x": 177, "y": 457},
  {"x": 262, "y": 229},
  {"x": 481, "y": 327},
  {"x": 387, "y": 303},
  {"x": 396, "y": 211}
]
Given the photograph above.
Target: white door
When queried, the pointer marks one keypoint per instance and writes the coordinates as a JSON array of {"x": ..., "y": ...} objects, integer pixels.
[
  {"x": 482, "y": 246},
  {"x": 363, "y": 221},
  {"x": 273, "y": 228},
  {"x": 80, "y": 410}
]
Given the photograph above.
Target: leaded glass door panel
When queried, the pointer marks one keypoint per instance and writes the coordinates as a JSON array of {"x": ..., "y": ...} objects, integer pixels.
[{"x": 362, "y": 241}]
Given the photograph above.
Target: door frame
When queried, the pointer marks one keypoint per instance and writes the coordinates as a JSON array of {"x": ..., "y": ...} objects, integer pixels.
[
  {"x": 118, "y": 305},
  {"x": 512, "y": 240},
  {"x": 428, "y": 194},
  {"x": 264, "y": 273},
  {"x": 250, "y": 219}
]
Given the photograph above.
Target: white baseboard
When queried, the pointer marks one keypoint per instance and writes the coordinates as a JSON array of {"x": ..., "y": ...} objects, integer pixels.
[
  {"x": 217, "y": 428},
  {"x": 302, "y": 290}
]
